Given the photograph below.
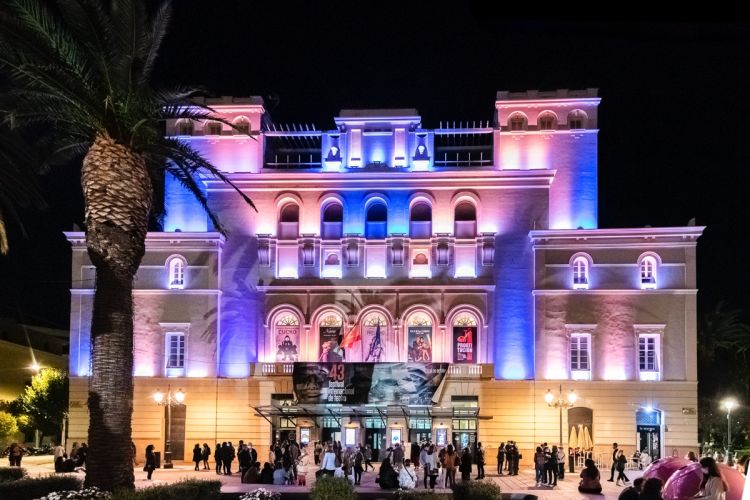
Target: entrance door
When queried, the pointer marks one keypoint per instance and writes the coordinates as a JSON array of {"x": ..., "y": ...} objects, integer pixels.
[
  {"x": 463, "y": 440},
  {"x": 419, "y": 436},
  {"x": 331, "y": 434},
  {"x": 287, "y": 434},
  {"x": 374, "y": 437},
  {"x": 649, "y": 440}
]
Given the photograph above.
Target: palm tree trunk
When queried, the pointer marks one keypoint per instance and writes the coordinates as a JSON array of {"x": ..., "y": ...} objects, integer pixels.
[{"x": 117, "y": 192}]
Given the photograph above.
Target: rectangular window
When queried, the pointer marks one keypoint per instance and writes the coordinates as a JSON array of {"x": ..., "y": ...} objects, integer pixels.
[
  {"x": 330, "y": 422},
  {"x": 580, "y": 356},
  {"x": 176, "y": 350},
  {"x": 648, "y": 357}
]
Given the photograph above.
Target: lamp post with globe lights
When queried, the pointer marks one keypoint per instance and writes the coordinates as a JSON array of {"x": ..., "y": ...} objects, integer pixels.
[
  {"x": 560, "y": 403},
  {"x": 729, "y": 404},
  {"x": 169, "y": 400}
]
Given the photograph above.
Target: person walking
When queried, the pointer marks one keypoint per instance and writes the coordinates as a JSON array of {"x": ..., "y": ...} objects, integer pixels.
[
  {"x": 615, "y": 452},
  {"x": 480, "y": 461},
  {"x": 500, "y": 458},
  {"x": 359, "y": 458},
  {"x": 622, "y": 460},
  {"x": 205, "y": 455},
  {"x": 368, "y": 458},
  {"x": 218, "y": 456},
  {"x": 150, "y": 461},
  {"x": 197, "y": 455}
]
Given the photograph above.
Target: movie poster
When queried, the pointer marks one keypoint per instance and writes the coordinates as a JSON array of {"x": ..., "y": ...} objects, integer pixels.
[
  {"x": 287, "y": 344},
  {"x": 373, "y": 344},
  {"x": 420, "y": 344},
  {"x": 464, "y": 344},
  {"x": 330, "y": 345},
  {"x": 361, "y": 383}
]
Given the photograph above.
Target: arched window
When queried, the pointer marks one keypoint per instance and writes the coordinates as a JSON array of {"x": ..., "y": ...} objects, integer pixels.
[
  {"x": 547, "y": 121},
  {"x": 332, "y": 225},
  {"x": 286, "y": 330},
  {"x": 375, "y": 330},
  {"x": 330, "y": 333},
  {"x": 419, "y": 337},
  {"x": 648, "y": 272},
  {"x": 376, "y": 222},
  {"x": 465, "y": 338},
  {"x": 184, "y": 127},
  {"x": 242, "y": 126},
  {"x": 576, "y": 119},
  {"x": 465, "y": 220},
  {"x": 289, "y": 222},
  {"x": 176, "y": 272},
  {"x": 212, "y": 128},
  {"x": 580, "y": 273},
  {"x": 420, "y": 220},
  {"x": 517, "y": 122}
]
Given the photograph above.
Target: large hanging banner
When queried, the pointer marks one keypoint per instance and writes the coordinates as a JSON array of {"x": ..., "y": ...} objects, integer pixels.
[
  {"x": 373, "y": 344},
  {"x": 420, "y": 344},
  {"x": 464, "y": 344},
  {"x": 287, "y": 343},
  {"x": 361, "y": 383},
  {"x": 330, "y": 344}
]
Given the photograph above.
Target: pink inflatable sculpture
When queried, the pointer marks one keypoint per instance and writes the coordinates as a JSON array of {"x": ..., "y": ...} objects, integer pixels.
[
  {"x": 685, "y": 483},
  {"x": 664, "y": 467}
]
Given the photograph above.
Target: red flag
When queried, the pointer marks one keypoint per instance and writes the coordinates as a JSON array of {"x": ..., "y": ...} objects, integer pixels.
[{"x": 352, "y": 337}]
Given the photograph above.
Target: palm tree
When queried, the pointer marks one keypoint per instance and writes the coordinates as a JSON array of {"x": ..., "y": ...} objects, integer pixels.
[{"x": 79, "y": 72}]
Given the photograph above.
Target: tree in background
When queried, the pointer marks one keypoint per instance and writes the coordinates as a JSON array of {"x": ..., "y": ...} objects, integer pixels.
[
  {"x": 8, "y": 427},
  {"x": 45, "y": 401}
]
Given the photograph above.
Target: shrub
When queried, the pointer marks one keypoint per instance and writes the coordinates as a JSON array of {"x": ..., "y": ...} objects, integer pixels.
[
  {"x": 333, "y": 488},
  {"x": 422, "y": 495},
  {"x": 189, "y": 489},
  {"x": 92, "y": 493},
  {"x": 261, "y": 494},
  {"x": 30, "y": 489},
  {"x": 11, "y": 474},
  {"x": 476, "y": 490}
]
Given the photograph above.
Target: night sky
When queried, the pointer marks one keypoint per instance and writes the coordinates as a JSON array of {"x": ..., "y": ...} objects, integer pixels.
[{"x": 674, "y": 119}]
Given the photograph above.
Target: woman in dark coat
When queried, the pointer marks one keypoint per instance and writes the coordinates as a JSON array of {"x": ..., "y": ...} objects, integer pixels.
[
  {"x": 197, "y": 456},
  {"x": 217, "y": 458},
  {"x": 206, "y": 455},
  {"x": 465, "y": 466},
  {"x": 150, "y": 461},
  {"x": 387, "y": 477}
]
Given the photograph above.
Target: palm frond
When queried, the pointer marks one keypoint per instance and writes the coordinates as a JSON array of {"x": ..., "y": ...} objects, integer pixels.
[{"x": 151, "y": 43}]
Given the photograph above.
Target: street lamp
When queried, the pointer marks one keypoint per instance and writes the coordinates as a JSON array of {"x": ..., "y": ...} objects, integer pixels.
[
  {"x": 729, "y": 405},
  {"x": 560, "y": 403},
  {"x": 171, "y": 399}
]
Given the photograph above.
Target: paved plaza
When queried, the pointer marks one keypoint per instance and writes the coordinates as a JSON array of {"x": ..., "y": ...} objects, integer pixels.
[{"x": 523, "y": 483}]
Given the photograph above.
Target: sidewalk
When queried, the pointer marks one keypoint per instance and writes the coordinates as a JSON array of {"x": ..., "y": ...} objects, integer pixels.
[{"x": 523, "y": 483}]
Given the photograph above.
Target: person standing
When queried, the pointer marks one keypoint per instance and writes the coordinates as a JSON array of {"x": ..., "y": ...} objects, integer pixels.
[
  {"x": 513, "y": 459},
  {"x": 480, "y": 461},
  {"x": 450, "y": 461},
  {"x": 359, "y": 458},
  {"x": 316, "y": 452},
  {"x": 551, "y": 466},
  {"x": 15, "y": 454},
  {"x": 414, "y": 454},
  {"x": 615, "y": 452},
  {"x": 465, "y": 466},
  {"x": 328, "y": 463},
  {"x": 294, "y": 451},
  {"x": 218, "y": 456},
  {"x": 398, "y": 455},
  {"x": 243, "y": 459},
  {"x": 206, "y": 454},
  {"x": 500, "y": 458},
  {"x": 197, "y": 455},
  {"x": 560, "y": 463},
  {"x": 229, "y": 458},
  {"x": 150, "y": 461}
]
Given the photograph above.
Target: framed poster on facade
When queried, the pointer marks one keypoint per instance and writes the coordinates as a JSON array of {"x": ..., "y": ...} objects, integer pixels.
[
  {"x": 464, "y": 344},
  {"x": 304, "y": 435},
  {"x": 330, "y": 345},
  {"x": 420, "y": 344},
  {"x": 442, "y": 436},
  {"x": 395, "y": 436},
  {"x": 373, "y": 344},
  {"x": 287, "y": 344},
  {"x": 350, "y": 437}
]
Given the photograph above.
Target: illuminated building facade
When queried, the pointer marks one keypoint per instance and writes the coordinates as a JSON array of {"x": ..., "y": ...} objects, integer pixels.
[{"x": 471, "y": 244}]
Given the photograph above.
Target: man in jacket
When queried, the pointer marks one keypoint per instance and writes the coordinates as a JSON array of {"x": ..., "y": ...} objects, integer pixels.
[{"x": 615, "y": 452}]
